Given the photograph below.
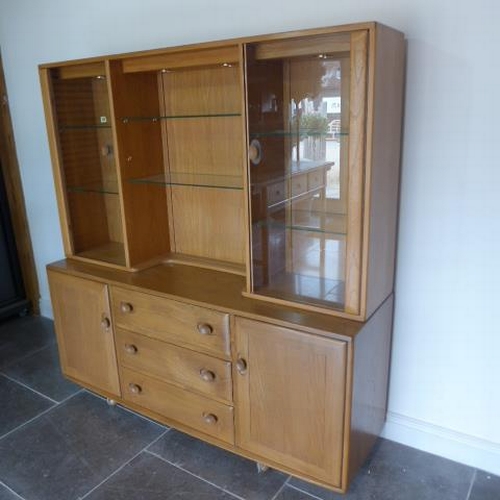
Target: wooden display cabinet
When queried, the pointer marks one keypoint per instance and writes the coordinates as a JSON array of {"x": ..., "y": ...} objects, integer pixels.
[{"x": 229, "y": 215}]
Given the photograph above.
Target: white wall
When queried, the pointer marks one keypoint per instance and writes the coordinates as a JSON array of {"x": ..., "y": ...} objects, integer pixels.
[{"x": 445, "y": 381}]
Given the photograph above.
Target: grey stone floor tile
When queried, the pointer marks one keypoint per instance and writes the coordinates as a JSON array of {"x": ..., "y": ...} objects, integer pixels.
[
  {"x": 22, "y": 336},
  {"x": 396, "y": 472},
  {"x": 486, "y": 487},
  {"x": 18, "y": 405},
  {"x": 288, "y": 493},
  {"x": 42, "y": 372},
  {"x": 317, "y": 491},
  {"x": 150, "y": 478},
  {"x": 6, "y": 494},
  {"x": 72, "y": 448},
  {"x": 227, "y": 470}
]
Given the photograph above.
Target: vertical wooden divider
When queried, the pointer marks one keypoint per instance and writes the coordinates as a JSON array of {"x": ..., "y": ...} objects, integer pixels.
[{"x": 357, "y": 143}]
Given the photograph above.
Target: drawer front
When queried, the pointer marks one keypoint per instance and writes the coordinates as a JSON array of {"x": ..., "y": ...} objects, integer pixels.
[
  {"x": 191, "y": 370},
  {"x": 172, "y": 321},
  {"x": 316, "y": 179},
  {"x": 299, "y": 184},
  {"x": 200, "y": 413},
  {"x": 275, "y": 193}
]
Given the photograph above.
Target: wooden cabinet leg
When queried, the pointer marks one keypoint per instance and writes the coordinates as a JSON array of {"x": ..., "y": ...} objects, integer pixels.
[{"x": 261, "y": 468}]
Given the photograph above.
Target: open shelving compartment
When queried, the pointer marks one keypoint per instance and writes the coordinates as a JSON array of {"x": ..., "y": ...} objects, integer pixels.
[
  {"x": 84, "y": 162},
  {"x": 179, "y": 121}
]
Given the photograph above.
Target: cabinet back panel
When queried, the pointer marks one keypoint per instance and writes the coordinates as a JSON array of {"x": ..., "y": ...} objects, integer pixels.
[
  {"x": 209, "y": 223},
  {"x": 204, "y": 91},
  {"x": 205, "y": 146}
]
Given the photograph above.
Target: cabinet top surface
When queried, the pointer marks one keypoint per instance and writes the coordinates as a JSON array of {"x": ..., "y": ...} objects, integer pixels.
[
  {"x": 369, "y": 25},
  {"x": 209, "y": 288}
]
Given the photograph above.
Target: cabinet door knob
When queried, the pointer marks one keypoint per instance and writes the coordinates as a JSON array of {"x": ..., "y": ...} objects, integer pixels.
[
  {"x": 126, "y": 307},
  {"x": 130, "y": 348},
  {"x": 204, "y": 328},
  {"x": 105, "y": 323},
  {"x": 210, "y": 418},
  {"x": 241, "y": 366},
  {"x": 207, "y": 375},
  {"x": 134, "y": 388}
]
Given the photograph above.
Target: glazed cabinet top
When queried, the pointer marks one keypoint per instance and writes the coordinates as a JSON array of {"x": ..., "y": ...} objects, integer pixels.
[{"x": 274, "y": 158}]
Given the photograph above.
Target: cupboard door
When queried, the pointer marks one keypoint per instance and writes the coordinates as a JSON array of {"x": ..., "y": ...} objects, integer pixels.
[
  {"x": 290, "y": 398},
  {"x": 80, "y": 123},
  {"x": 84, "y": 331},
  {"x": 306, "y": 133}
]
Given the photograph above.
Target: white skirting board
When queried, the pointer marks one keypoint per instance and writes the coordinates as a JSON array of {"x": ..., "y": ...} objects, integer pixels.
[{"x": 463, "y": 448}]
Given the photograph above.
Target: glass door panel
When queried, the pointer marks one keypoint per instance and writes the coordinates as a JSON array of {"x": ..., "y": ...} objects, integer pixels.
[
  {"x": 88, "y": 167},
  {"x": 298, "y": 124}
]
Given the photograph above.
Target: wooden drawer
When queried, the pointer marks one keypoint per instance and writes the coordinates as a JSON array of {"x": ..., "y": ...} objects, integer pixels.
[
  {"x": 316, "y": 179},
  {"x": 200, "y": 413},
  {"x": 164, "y": 319},
  {"x": 182, "y": 367},
  {"x": 299, "y": 184},
  {"x": 275, "y": 193}
]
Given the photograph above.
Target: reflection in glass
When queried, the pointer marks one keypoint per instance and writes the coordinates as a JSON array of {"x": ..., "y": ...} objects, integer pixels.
[{"x": 298, "y": 111}]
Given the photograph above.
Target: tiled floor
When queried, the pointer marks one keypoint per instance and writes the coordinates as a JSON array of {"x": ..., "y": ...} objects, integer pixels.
[{"x": 58, "y": 442}]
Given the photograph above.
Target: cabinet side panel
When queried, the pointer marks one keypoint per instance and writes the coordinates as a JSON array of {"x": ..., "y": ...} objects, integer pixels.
[
  {"x": 385, "y": 163},
  {"x": 370, "y": 386}
]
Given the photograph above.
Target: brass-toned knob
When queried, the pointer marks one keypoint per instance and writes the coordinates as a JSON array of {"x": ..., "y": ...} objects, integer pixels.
[
  {"x": 207, "y": 375},
  {"x": 210, "y": 418},
  {"x": 130, "y": 348},
  {"x": 204, "y": 328},
  {"x": 241, "y": 366},
  {"x": 134, "y": 388},
  {"x": 105, "y": 323},
  {"x": 126, "y": 307}
]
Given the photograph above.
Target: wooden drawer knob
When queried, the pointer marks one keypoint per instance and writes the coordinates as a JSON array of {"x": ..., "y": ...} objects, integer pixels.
[
  {"x": 204, "y": 328},
  {"x": 105, "y": 323},
  {"x": 207, "y": 375},
  {"x": 210, "y": 418},
  {"x": 134, "y": 388},
  {"x": 241, "y": 366},
  {"x": 130, "y": 348},
  {"x": 126, "y": 307}
]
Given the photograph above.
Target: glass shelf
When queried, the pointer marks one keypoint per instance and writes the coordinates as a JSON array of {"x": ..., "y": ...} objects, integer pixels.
[
  {"x": 195, "y": 180},
  {"x": 302, "y": 133},
  {"x": 65, "y": 128},
  {"x": 93, "y": 188},
  {"x": 84, "y": 126},
  {"x": 128, "y": 119},
  {"x": 317, "y": 223}
]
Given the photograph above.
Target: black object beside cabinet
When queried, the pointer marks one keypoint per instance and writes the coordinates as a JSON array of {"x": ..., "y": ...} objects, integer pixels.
[{"x": 12, "y": 296}]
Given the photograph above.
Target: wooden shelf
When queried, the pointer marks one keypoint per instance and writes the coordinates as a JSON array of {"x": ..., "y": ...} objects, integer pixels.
[{"x": 112, "y": 252}]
